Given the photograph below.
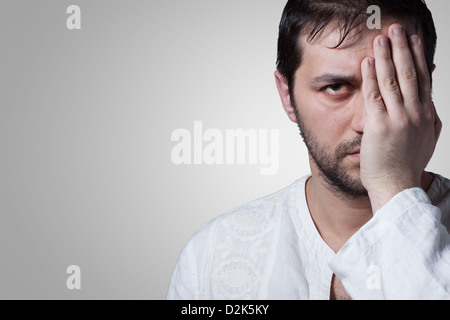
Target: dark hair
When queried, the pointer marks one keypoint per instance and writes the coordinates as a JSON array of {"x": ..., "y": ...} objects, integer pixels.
[{"x": 309, "y": 17}]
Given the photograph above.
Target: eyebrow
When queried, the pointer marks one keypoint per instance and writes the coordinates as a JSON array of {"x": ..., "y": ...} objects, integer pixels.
[{"x": 334, "y": 78}]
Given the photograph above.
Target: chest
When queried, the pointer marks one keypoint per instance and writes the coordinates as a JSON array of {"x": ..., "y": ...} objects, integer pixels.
[{"x": 337, "y": 290}]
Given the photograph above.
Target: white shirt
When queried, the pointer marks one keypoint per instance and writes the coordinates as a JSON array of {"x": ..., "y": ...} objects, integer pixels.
[{"x": 270, "y": 249}]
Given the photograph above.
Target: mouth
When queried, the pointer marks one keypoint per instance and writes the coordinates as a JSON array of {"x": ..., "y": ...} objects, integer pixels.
[{"x": 355, "y": 154}]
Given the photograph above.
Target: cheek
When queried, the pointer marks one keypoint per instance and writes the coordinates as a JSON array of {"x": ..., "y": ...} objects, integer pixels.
[{"x": 326, "y": 124}]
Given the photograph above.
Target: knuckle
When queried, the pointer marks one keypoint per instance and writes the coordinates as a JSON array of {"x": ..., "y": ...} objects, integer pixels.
[
  {"x": 375, "y": 101},
  {"x": 424, "y": 80},
  {"x": 409, "y": 74},
  {"x": 403, "y": 123},
  {"x": 390, "y": 84},
  {"x": 417, "y": 119},
  {"x": 374, "y": 97},
  {"x": 429, "y": 116},
  {"x": 421, "y": 119}
]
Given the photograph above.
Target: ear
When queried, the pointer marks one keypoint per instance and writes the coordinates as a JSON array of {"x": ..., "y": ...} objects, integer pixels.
[{"x": 283, "y": 90}]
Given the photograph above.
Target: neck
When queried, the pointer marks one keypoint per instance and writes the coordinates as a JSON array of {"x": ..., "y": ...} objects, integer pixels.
[{"x": 337, "y": 218}]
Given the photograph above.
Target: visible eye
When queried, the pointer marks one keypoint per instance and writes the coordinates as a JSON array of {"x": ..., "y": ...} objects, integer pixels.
[{"x": 335, "y": 89}]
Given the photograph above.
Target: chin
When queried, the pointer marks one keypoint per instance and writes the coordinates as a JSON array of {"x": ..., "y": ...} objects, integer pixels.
[{"x": 348, "y": 184}]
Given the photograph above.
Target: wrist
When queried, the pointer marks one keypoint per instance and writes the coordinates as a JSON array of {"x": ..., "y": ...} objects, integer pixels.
[
  {"x": 380, "y": 195},
  {"x": 379, "y": 199}
]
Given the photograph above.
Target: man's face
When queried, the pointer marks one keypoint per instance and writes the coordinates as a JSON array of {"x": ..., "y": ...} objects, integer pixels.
[{"x": 330, "y": 105}]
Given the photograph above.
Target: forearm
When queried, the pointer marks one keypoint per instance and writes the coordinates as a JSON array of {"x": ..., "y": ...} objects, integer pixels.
[{"x": 402, "y": 253}]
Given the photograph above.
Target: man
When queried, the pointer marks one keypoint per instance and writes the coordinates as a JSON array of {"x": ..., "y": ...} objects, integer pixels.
[{"x": 369, "y": 223}]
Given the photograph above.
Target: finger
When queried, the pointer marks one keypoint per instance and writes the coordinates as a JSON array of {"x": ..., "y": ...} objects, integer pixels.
[
  {"x": 405, "y": 68},
  {"x": 387, "y": 80},
  {"x": 372, "y": 97},
  {"x": 423, "y": 75}
]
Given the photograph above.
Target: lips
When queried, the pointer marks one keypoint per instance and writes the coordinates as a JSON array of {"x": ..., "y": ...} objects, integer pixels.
[{"x": 355, "y": 152}]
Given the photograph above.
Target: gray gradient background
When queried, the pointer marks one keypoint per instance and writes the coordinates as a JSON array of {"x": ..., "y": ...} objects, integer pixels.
[{"x": 85, "y": 124}]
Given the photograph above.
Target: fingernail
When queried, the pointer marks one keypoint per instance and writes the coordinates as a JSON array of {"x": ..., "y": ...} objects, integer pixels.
[
  {"x": 414, "y": 39},
  {"x": 383, "y": 42},
  {"x": 371, "y": 62},
  {"x": 398, "y": 30}
]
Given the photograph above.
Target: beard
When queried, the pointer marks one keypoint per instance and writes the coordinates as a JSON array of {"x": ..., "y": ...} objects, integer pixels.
[{"x": 330, "y": 164}]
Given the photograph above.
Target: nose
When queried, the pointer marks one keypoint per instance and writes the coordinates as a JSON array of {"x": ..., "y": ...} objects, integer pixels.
[{"x": 358, "y": 113}]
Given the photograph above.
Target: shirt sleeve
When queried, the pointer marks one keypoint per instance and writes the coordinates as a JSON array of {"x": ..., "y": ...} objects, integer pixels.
[
  {"x": 184, "y": 284},
  {"x": 190, "y": 276},
  {"x": 403, "y": 252}
]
